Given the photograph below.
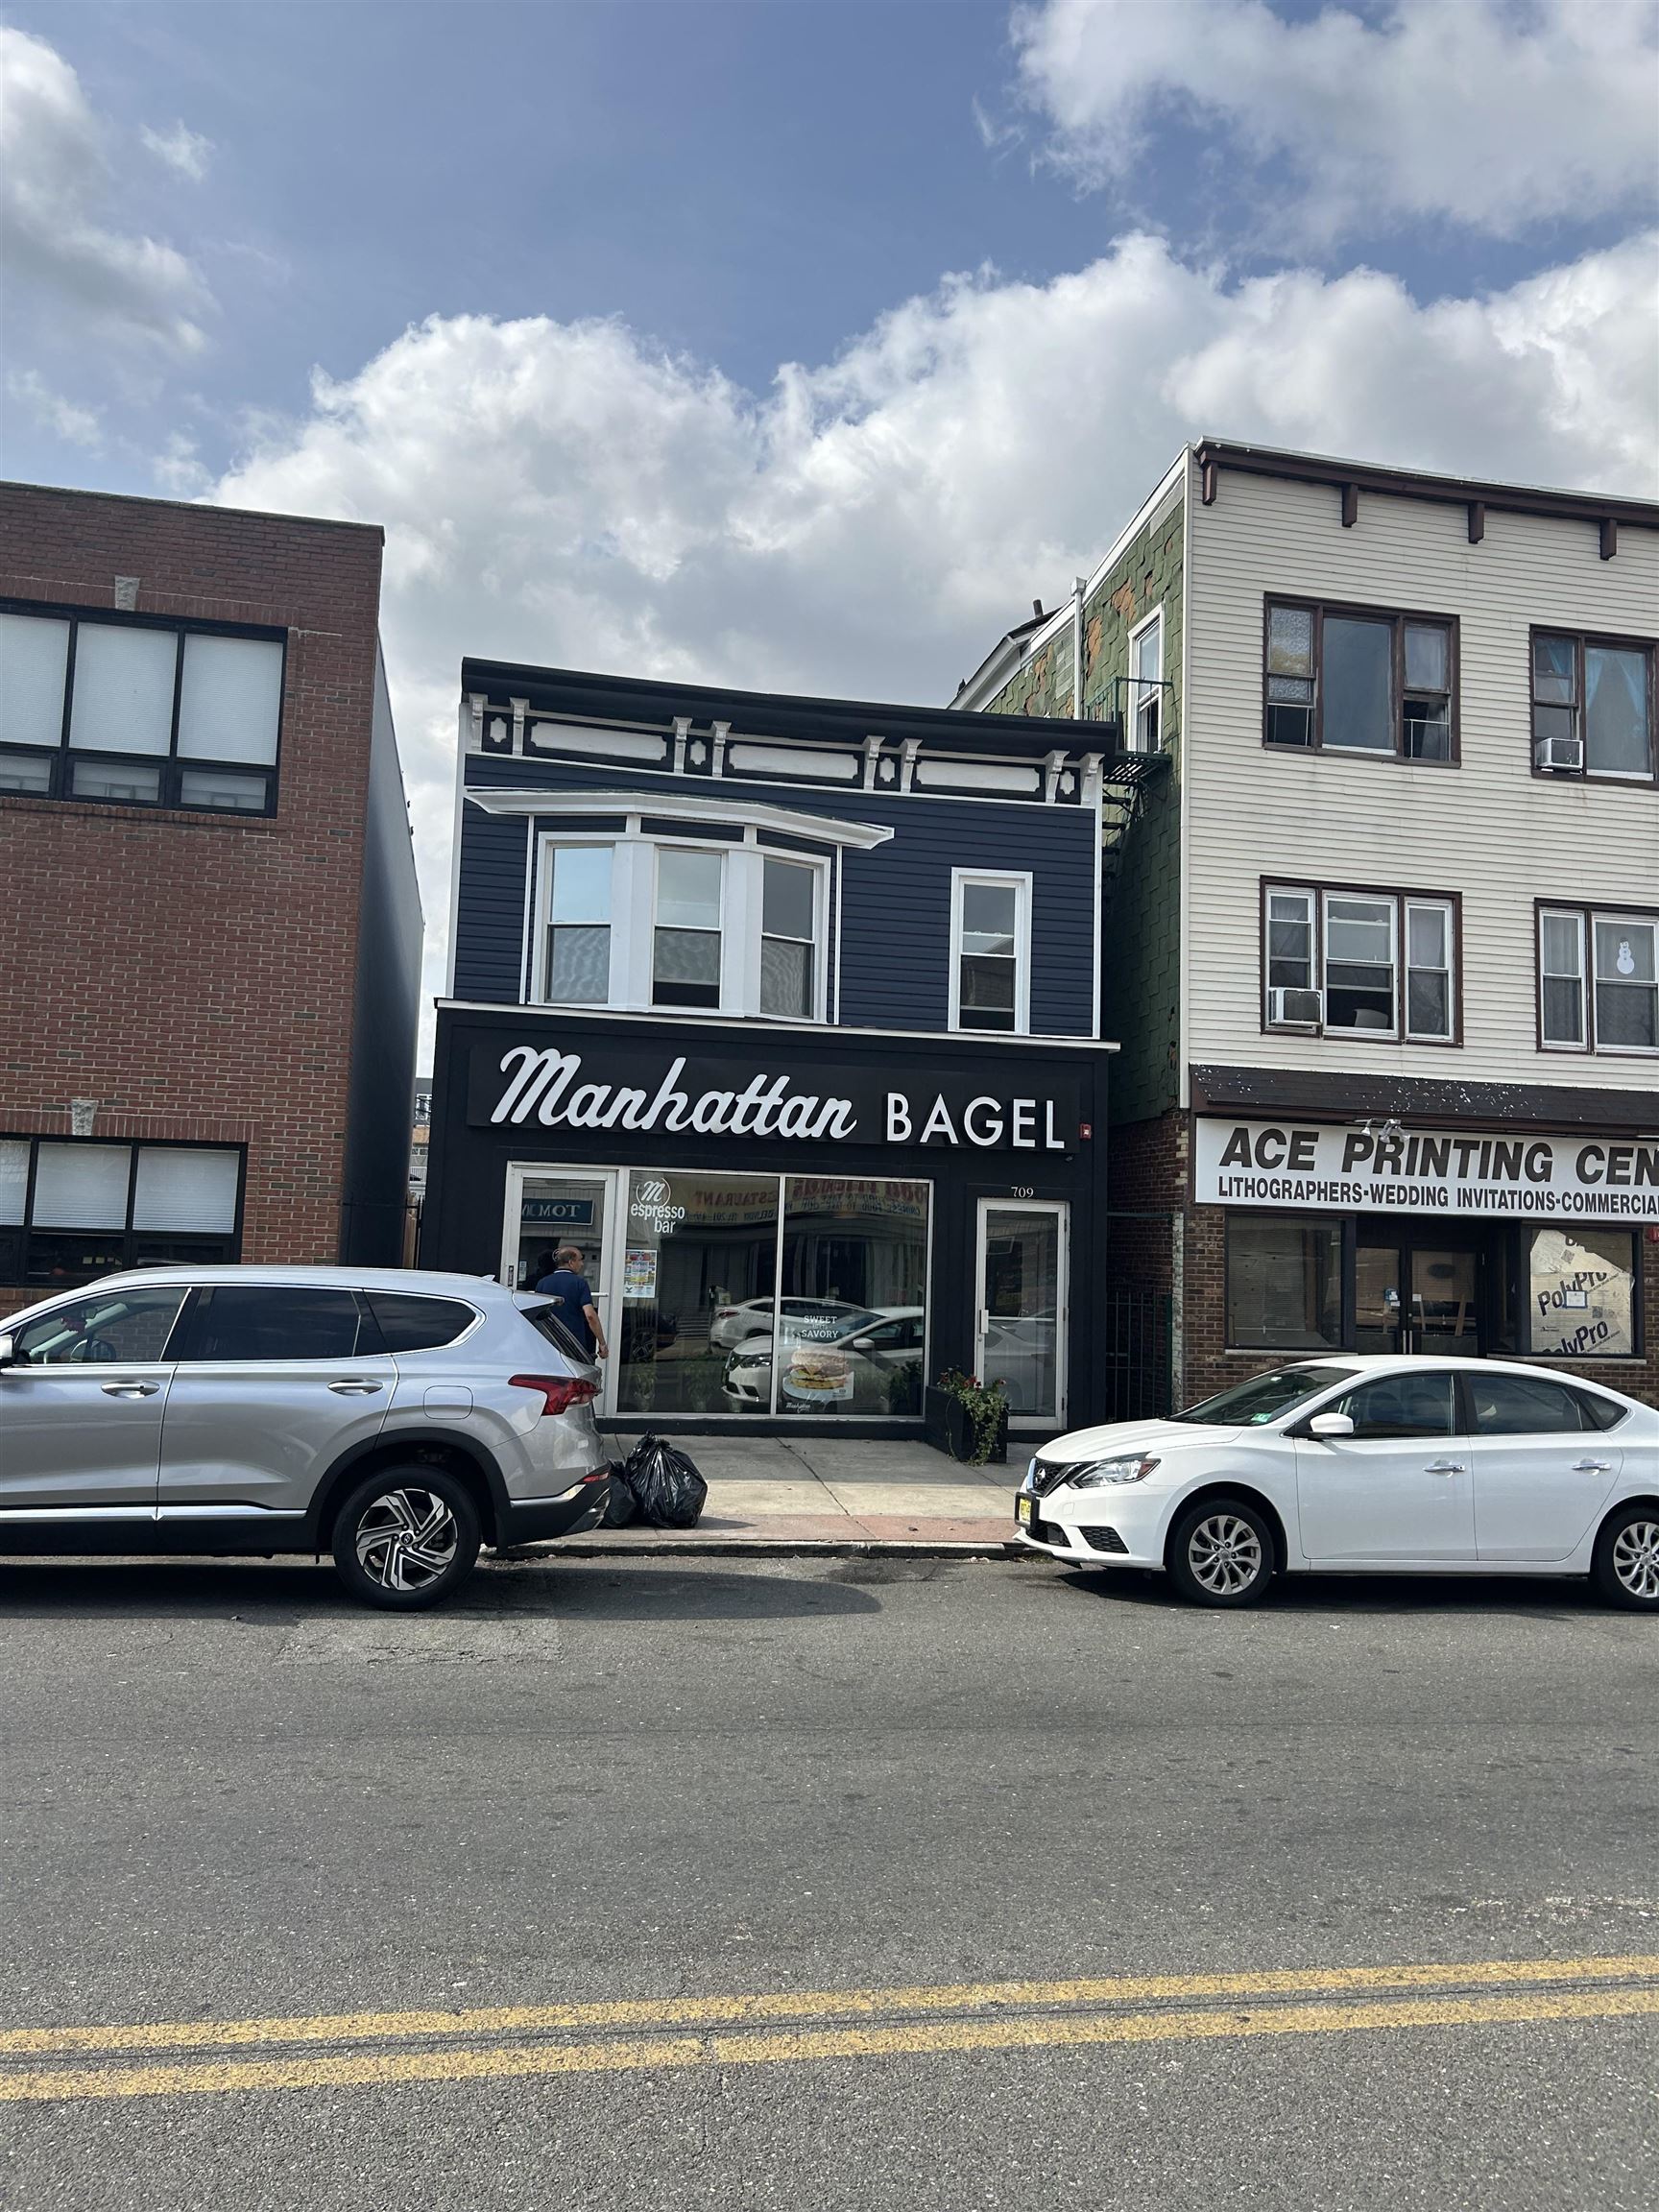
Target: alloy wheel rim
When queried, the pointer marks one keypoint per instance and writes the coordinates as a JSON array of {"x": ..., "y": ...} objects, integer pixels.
[
  {"x": 407, "y": 1539},
  {"x": 1225, "y": 1554},
  {"x": 1636, "y": 1558}
]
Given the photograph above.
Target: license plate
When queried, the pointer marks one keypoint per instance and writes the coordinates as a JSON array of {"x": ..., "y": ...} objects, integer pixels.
[{"x": 1025, "y": 1512}]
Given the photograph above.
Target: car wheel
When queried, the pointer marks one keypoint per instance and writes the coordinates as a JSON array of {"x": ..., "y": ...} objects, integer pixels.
[
  {"x": 1221, "y": 1554},
  {"x": 407, "y": 1537},
  {"x": 1626, "y": 1566}
]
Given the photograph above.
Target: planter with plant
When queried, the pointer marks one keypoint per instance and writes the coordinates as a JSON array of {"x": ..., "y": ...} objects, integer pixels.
[{"x": 967, "y": 1418}]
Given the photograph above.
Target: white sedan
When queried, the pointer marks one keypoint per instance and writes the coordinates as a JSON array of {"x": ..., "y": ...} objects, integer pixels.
[{"x": 1364, "y": 1465}]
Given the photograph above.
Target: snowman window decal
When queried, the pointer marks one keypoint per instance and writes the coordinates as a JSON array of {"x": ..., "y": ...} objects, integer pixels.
[{"x": 1624, "y": 959}]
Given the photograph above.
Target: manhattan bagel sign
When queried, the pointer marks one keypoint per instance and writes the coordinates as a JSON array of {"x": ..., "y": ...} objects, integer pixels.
[
  {"x": 641, "y": 1091},
  {"x": 1493, "y": 1171}
]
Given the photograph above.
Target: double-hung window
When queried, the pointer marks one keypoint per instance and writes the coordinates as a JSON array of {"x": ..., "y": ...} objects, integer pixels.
[
  {"x": 578, "y": 971},
  {"x": 686, "y": 942},
  {"x": 788, "y": 938},
  {"x": 1342, "y": 680},
  {"x": 1378, "y": 964},
  {"x": 137, "y": 713},
  {"x": 1146, "y": 683},
  {"x": 1592, "y": 705},
  {"x": 989, "y": 951},
  {"x": 1598, "y": 980}
]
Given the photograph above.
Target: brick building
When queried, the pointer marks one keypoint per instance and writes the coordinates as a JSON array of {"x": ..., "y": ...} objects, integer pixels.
[
  {"x": 209, "y": 923},
  {"x": 1384, "y": 940}
]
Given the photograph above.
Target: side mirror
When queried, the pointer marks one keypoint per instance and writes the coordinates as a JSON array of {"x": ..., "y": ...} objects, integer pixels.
[
  {"x": 863, "y": 1343},
  {"x": 1328, "y": 1425},
  {"x": 8, "y": 1352}
]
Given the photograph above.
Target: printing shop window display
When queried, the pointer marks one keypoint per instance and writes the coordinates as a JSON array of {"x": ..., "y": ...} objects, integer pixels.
[
  {"x": 1583, "y": 1292},
  {"x": 967, "y": 1418}
]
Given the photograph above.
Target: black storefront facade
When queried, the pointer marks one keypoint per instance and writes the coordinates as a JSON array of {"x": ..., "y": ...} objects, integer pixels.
[{"x": 788, "y": 1230}]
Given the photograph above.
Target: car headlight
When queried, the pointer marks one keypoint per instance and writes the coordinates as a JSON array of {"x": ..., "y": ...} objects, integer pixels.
[{"x": 1102, "y": 1472}]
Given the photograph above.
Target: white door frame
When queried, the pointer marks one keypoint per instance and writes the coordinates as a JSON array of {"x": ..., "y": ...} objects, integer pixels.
[
  {"x": 607, "y": 1290},
  {"x": 1060, "y": 1208}
]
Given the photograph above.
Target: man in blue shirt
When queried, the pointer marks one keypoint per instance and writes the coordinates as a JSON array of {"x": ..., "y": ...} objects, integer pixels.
[{"x": 573, "y": 1301}]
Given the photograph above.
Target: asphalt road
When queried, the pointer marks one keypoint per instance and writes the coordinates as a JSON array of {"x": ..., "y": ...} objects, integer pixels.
[{"x": 727, "y": 1795}]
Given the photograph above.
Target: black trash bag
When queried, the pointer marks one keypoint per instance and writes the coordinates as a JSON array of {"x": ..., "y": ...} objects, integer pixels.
[
  {"x": 620, "y": 1503},
  {"x": 666, "y": 1486}
]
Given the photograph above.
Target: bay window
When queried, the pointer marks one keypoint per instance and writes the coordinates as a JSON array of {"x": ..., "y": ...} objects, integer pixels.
[
  {"x": 1378, "y": 964},
  {"x": 634, "y": 921},
  {"x": 1598, "y": 980},
  {"x": 1346, "y": 680},
  {"x": 138, "y": 713},
  {"x": 1592, "y": 705}
]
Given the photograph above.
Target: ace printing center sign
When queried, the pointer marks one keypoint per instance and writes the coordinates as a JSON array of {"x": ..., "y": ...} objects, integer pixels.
[{"x": 1287, "y": 1163}]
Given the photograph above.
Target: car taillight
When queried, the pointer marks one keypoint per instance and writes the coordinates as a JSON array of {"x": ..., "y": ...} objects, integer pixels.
[
  {"x": 725, "y": 1313},
  {"x": 559, "y": 1392}
]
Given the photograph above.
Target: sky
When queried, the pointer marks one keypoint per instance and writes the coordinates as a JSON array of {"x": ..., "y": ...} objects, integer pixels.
[{"x": 803, "y": 343}]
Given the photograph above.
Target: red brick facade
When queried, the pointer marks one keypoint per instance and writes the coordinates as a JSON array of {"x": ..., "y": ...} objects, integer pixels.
[
  {"x": 1149, "y": 1177},
  {"x": 195, "y": 973}
]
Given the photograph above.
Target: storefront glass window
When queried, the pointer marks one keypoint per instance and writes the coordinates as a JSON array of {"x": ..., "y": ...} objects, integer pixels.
[
  {"x": 1584, "y": 1291},
  {"x": 1284, "y": 1284},
  {"x": 851, "y": 1323},
  {"x": 698, "y": 1272}
]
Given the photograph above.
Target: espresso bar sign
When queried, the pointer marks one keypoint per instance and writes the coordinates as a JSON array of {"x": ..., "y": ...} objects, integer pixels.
[
  {"x": 654, "y": 1093},
  {"x": 1429, "y": 1170}
]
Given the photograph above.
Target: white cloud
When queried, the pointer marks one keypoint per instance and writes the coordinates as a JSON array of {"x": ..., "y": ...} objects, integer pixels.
[
  {"x": 185, "y": 151},
  {"x": 77, "y": 425},
  {"x": 71, "y": 276},
  {"x": 563, "y": 494},
  {"x": 1478, "y": 111}
]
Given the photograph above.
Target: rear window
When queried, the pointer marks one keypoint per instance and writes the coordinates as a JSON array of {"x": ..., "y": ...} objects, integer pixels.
[
  {"x": 546, "y": 1321},
  {"x": 1600, "y": 1412},
  {"x": 410, "y": 1323}
]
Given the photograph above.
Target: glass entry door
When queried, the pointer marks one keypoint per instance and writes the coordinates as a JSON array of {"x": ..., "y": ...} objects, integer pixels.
[
  {"x": 1417, "y": 1297},
  {"x": 1020, "y": 1302},
  {"x": 549, "y": 1209}
]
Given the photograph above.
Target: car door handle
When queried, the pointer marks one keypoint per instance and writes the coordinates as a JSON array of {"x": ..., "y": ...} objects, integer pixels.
[
  {"x": 129, "y": 1389},
  {"x": 359, "y": 1386},
  {"x": 1445, "y": 1467},
  {"x": 1592, "y": 1466}
]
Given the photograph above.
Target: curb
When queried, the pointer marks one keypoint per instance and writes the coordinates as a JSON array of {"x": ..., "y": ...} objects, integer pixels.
[{"x": 768, "y": 1547}]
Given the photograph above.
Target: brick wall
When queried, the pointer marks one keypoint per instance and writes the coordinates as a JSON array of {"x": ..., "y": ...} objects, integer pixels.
[{"x": 195, "y": 973}]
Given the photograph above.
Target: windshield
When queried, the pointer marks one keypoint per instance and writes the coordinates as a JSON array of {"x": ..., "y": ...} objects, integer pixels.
[{"x": 1265, "y": 1397}]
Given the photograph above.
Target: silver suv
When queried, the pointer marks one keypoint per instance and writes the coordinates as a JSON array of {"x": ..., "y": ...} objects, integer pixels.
[{"x": 397, "y": 1419}]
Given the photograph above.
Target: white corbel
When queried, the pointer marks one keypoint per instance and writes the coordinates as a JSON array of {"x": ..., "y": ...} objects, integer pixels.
[
  {"x": 907, "y": 771},
  {"x": 872, "y": 753},
  {"x": 722, "y": 730},
  {"x": 1052, "y": 765},
  {"x": 682, "y": 730},
  {"x": 521, "y": 707}
]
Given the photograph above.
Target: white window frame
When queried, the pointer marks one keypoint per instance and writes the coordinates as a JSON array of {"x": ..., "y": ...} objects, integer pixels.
[
  {"x": 1020, "y": 880},
  {"x": 752, "y": 881},
  {"x": 1144, "y": 691},
  {"x": 1579, "y": 918},
  {"x": 634, "y": 922},
  {"x": 548, "y": 847},
  {"x": 1411, "y": 903},
  {"x": 1347, "y": 1030}
]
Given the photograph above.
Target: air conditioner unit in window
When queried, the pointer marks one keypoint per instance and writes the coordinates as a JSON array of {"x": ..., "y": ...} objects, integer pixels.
[
  {"x": 1560, "y": 753},
  {"x": 1295, "y": 1009}
]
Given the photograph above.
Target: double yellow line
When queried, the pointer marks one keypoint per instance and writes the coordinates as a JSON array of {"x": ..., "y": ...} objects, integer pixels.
[{"x": 380, "y": 2049}]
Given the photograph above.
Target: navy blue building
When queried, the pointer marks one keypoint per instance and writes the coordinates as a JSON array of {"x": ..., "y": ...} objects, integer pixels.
[{"x": 786, "y": 1012}]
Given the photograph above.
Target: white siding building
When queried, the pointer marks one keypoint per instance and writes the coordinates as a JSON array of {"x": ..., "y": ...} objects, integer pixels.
[{"x": 1384, "y": 952}]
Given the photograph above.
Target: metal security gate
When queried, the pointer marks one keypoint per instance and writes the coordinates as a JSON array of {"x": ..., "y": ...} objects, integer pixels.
[{"x": 1136, "y": 1353}]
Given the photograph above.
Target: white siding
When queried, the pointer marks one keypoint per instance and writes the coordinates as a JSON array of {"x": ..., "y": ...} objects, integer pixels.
[{"x": 1488, "y": 829}]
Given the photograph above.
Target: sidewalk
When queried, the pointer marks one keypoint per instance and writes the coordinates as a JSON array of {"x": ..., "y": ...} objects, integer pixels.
[{"x": 829, "y": 1495}]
